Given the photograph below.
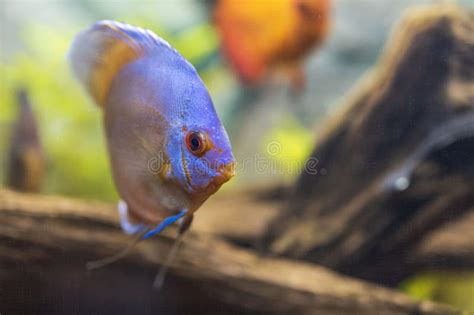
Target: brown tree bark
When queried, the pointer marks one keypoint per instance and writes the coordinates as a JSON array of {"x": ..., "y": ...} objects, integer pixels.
[
  {"x": 26, "y": 162},
  {"x": 450, "y": 247},
  {"x": 242, "y": 217},
  {"x": 45, "y": 242},
  {"x": 397, "y": 163}
]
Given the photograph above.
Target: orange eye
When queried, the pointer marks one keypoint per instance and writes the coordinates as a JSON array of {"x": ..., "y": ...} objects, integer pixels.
[{"x": 196, "y": 143}]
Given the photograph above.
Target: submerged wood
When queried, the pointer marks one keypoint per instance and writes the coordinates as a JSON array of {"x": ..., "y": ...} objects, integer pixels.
[
  {"x": 397, "y": 162},
  {"x": 45, "y": 242},
  {"x": 448, "y": 247},
  {"x": 26, "y": 162}
]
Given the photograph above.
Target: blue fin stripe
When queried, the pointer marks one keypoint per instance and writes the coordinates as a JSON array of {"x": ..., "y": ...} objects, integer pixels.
[{"x": 164, "y": 224}]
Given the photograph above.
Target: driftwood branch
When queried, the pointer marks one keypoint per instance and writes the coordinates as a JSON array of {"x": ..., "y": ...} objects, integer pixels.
[
  {"x": 45, "y": 241},
  {"x": 397, "y": 164},
  {"x": 450, "y": 246},
  {"x": 241, "y": 216},
  {"x": 26, "y": 163}
]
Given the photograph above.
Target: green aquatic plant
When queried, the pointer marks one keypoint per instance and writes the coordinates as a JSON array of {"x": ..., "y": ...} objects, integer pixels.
[
  {"x": 453, "y": 288},
  {"x": 287, "y": 146}
]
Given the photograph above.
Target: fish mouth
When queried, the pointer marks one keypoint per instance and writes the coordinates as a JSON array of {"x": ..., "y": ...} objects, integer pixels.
[{"x": 224, "y": 174}]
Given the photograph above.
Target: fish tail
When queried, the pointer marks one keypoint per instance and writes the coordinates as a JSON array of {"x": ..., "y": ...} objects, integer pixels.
[{"x": 98, "y": 53}]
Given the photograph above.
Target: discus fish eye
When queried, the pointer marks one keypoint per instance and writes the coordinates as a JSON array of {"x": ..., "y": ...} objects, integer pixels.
[{"x": 196, "y": 143}]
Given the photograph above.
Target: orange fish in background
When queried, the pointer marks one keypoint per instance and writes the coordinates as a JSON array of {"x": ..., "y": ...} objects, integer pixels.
[{"x": 260, "y": 36}]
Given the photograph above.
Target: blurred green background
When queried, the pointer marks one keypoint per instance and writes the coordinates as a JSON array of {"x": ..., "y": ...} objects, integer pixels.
[{"x": 35, "y": 36}]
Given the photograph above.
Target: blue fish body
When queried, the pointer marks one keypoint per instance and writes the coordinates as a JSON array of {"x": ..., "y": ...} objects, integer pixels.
[{"x": 168, "y": 149}]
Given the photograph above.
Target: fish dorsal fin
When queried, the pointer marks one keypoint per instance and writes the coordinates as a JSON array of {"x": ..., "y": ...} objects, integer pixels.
[{"x": 98, "y": 53}]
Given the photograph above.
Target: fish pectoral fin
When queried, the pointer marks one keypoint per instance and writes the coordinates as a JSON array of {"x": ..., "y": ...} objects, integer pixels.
[
  {"x": 164, "y": 224},
  {"x": 127, "y": 226},
  {"x": 185, "y": 223}
]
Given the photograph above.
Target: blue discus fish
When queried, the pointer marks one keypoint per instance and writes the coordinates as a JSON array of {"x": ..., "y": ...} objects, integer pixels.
[{"x": 168, "y": 149}]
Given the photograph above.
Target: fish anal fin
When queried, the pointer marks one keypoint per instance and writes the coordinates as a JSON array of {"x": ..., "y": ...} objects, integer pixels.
[{"x": 128, "y": 226}]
